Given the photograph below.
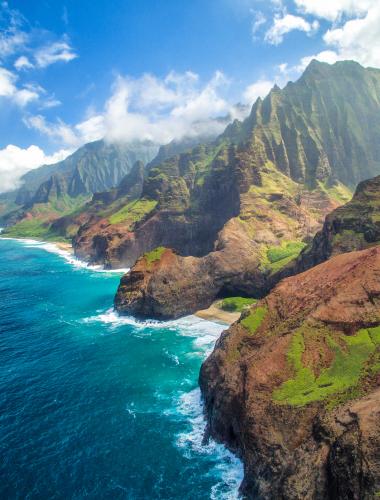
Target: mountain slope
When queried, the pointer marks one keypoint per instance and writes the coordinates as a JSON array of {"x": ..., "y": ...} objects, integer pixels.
[
  {"x": 53, "y": 191},
  {"x": 297, "y": 129},
  {"x": 95, "y": 167},
  {"x": 323, "y": 127},
  {"x": 274, "y": 200},
  {"x": 353, "y": 226}
]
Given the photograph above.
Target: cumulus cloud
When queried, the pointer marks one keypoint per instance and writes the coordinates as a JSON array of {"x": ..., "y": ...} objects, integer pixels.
[
  {"x": 149, "y": 108},
  {"x": 350, "y": 39},
  {"x": 23, "y": 62},
  {"x": 287, "y": 23},
  {"x": 335, "y": 9},
  {"x": 258, "y": 89},
  {"x": 15, "y": 162},
  {"x": 8, "y": 89},
  {"x": 358, "y": 39}
]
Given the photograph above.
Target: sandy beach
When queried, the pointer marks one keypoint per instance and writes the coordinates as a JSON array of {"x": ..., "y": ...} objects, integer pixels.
[
  {"x": 214, "y": 313},
  {"x": 64, "y": 246}
]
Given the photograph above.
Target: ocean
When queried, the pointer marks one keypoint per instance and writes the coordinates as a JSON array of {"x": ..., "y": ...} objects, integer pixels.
[{"x": 93, "y": 405}]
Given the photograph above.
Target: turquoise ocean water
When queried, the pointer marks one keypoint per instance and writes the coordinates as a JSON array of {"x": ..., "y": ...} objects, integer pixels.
[{"x": 93, "y": 405}]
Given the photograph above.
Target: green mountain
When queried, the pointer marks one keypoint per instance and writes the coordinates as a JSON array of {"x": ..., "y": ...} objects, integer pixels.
[
  {"x": 53, "y": 191},
  {"x": 247, "y": 203},
  {"x": 324, "y": 127},
  {"x": 95, "y": 167}
]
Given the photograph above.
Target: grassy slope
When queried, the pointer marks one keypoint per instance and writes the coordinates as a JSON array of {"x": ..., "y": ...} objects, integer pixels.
[
  {"x": 38, "y": 223},
  {"x": 236, "y": 304},
  {"x": 353, "y": 355}
]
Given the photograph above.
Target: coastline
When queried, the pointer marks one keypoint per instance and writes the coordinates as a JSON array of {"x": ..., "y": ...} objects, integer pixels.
[
  {"x": 67, "y": 247},
  {"x": 213, "y": 313},
  {"x": 217, "y": 315},
  {"x": 62, "y": 245}
]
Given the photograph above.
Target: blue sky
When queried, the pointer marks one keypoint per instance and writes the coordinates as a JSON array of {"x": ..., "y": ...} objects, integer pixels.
[{"x": 73, "y": 71}]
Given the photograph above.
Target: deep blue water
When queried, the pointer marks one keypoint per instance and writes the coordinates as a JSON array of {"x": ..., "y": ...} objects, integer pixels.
[{"x": 92, "y": 405}]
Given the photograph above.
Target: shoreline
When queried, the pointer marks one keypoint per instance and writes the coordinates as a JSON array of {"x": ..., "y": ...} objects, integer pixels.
[
  {"x": 217, "y": 315},
  {"x": 212, "y": 313},
  {"x": 62, "y": 245},
  {"x": 67, "y": 247}
]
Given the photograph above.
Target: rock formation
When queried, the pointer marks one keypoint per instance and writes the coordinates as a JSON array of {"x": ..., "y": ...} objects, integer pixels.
[{"x": 293, "y": 387}]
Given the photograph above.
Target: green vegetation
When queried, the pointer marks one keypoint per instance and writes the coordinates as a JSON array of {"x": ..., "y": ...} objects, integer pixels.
[
  {"x": 337, "y": 192},
  {"x": 254, "y": 319},
  {"x": 133, "y": 212},
  {"x": 274, "y": 258},
  {"x": 32, "y": 228},
  {"x": 236, "y": 304},
  {"x": 39, "y": 224},
  {"x": 284, "y": 251},
  {"x": 274, "y": 182},
  {"x": 342, "y": 376},
  {"x": 154, "y": 256}
]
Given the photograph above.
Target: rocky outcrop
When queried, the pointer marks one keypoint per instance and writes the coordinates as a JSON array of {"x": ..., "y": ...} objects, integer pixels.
[{"x": 293, "y": 388}]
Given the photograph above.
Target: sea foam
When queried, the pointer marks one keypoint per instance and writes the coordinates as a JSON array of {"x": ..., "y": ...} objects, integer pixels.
[
  {"x": 66, "y": 255},
  {"x": 228, "y": 471}
]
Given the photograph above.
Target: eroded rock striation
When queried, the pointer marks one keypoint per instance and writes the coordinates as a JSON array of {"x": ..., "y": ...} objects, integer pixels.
[{"x": 294, "y": 386}]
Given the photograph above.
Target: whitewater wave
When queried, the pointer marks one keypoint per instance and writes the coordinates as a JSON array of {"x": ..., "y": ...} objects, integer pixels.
[
  {"x": 66, "y": 255},
  {"x": 229, "y": 469},
  {"x": 204, "y": 332}
]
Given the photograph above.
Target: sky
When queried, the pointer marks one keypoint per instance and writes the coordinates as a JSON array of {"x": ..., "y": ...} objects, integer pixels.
[{"x": 76, "y": 71}]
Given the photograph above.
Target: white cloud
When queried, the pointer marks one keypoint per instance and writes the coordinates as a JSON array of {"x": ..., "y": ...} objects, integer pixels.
[
  {"x": 335, "y": 9},
  {"x": 8, "y": 89},
  {"x": 50, "y": 102},
  {"x": 55, "y": 52},
  {"x": 358, "y": 39},
  {"x": 287, "y": 23},
  {"x": 261, "y": 88},
  {"x": 327, "y": 56},
  {"x": 258, "y": 20},
  {"x": 354, "y": 39},
  {"x": 34, "y": 46},
  {"x": 23, "y": 63},
  {"x": 58, "y": 131},
  {"x": 148, "y": 108},
  {"x": 15, "y": 162},
  {"x": 12, "y": 37},
  {"x": 11, "y": 41}
]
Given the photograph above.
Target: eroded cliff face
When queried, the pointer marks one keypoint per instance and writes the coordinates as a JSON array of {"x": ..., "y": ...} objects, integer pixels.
[
  {"x": 275, "y": 216},
  {"x": 293, "y": 387}
]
